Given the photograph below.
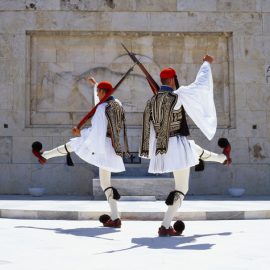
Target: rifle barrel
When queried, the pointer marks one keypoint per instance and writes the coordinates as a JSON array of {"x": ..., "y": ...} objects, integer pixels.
[{"x": 154, "y": 86}]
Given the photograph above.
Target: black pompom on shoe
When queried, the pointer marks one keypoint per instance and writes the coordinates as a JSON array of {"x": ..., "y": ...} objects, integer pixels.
[
  {"x": 179, "y": 226},
  {"x": 36, "y": 150},
  {"x": 37, "y": 146},
  {"x": 223, "y": 142},
  {"x": 104, "y": 218}
]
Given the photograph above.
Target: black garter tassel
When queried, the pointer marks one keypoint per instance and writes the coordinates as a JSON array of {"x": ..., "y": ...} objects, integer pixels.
[
  {"x": 173, "y": 196},
  {"x": 69, "y": 159},
  {"x": 199, "y": 167},
  {"x": 116, "y": 194}
]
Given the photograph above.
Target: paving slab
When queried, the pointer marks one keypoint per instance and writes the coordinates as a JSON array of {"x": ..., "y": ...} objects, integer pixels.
[{"x": 69, "y": 245}]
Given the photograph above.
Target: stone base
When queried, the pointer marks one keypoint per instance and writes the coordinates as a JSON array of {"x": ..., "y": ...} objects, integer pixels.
[
  {"x": 138, "y": 198},
  {"x": 140, "y": 186}
]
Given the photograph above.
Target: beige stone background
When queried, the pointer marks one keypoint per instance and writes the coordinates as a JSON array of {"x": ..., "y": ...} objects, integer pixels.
[{"x": 46, "y": 48}]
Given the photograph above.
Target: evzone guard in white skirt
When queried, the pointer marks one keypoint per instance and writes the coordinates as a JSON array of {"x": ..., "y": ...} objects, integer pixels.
[
  {"x": 98, "y": 145},
  {"x": 165, "y": 131}
]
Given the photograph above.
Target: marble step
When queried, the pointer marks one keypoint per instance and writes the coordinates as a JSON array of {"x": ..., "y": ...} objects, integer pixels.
[
  {"x": 137, "y": 186},
  {"x": 138, "y": 198},
  {"x": 193, "y": 208}
]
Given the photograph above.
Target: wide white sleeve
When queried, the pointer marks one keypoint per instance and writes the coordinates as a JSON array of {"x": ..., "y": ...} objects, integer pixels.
[
  {"x": 198, "y": 101},
  {"x": 97, "y": 134},
  {"x": 96, "y": 99}
]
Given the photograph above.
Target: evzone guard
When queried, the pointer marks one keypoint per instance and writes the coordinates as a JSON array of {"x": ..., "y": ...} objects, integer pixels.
[
  {"x": 165, "y": 131},
  {"x": 99, "y": 144}
]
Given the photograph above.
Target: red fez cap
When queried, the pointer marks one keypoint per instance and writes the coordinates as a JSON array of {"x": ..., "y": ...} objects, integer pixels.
[
  {"x": 105, "y": 85},
  {"x": 167, "y": 73}
]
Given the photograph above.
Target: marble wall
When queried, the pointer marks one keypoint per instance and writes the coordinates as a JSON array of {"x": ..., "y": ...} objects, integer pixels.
[{"x": 46, "y": 48}]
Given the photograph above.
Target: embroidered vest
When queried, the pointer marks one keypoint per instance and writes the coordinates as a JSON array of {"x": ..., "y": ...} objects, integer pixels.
[
  {"x": 167, "y": 122},
  {"x": 116, "y": 121}
]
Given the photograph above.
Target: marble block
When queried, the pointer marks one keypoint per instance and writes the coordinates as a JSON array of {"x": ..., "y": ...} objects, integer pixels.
[{"x": 143, "y": 186}]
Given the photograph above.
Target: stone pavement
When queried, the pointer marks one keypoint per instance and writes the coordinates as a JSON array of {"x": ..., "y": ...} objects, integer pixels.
[
  {"x": 82, "y": 208},
  {"x": 69, "y": 245}
]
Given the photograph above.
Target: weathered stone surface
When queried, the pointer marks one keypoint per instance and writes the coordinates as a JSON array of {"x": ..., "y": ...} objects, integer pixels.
[
  {"x": 266, "y": 24},
  {"x": 132, "y": 22},
  {"x": 156, "y": 5},
  {"x": 5, "y": 149},
  {"x": 96, "y": 5},
  {"x": 16, "y": 22},
  {"x": 119, "y": 5},
  {"x": 240, "y": 153},
  {"x": 13, "y": 122},
  {"x": 12, "y": 5},
  {"x": 254, "y": 73},
  {"x": 15, "y": 178},
  {"x": 251, "y": 123},
  {"x": 29, "y": 5},
  {"x": 239, "y": 5},
  {"x": 255, "y": 179},
  {"x": 258, "y": 96},
  {"x": 6, "y": 91},
  {"x": 248, "y": 47},
  {"x": 66, "y": 20},
  {"x": 241, "y": 96},
  {"x": 259, "y": 149},
  {"x": 45, "y": 46},
  {"x": 71, "y": 180},
  {"x": 196, "y": 5},
  {"x": 80, "y": 5},
  {"x": 44, "y": 5},
  {"x": 201, "y": 181},
  {"x": 266, "y": 50},
  {"x": 265, "y": 5}
]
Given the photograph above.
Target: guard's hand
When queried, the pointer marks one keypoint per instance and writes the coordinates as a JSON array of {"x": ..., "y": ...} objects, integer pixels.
[
  {"x": 91, "y": 80},
  {"x": 76, "y": 132},
  {"x": 208, "y": 58}
]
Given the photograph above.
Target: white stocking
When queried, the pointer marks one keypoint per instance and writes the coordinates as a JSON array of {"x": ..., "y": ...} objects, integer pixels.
[
  {"x": 105, "y": 182},
  {"x": 181, "y": 178},
  {"x": 209, "y": 156},
  {"x": 58, "y": 151}
]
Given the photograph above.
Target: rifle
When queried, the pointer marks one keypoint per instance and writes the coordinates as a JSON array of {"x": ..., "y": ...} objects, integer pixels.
[
  {"x": 91, "y": 113},
  {"x": 154, "y": 86}
]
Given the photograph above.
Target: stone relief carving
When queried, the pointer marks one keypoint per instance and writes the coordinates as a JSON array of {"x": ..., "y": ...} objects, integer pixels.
[{"x": 59, "y": 61}]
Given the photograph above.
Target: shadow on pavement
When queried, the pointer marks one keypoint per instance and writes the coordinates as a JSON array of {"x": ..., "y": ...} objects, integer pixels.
[
  {"x": 85, "y": 232},
  {"x": 171, "y": 242}
]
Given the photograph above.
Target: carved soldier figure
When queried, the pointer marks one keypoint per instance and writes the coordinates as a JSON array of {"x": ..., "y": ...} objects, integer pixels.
[
  {"x": 98, "y": 145},
  {"x": 165, "y": 131}
]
